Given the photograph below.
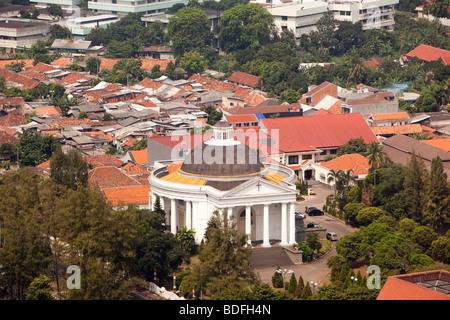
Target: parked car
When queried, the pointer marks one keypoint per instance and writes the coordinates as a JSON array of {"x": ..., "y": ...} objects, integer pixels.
[
  {"x": 332, "y": 236},
  {"x": 312, "y": 225},
  {"x": 299, "y": 214},
  {"x": 311, "y": 191},
  {"x": 313, "y": 211}
]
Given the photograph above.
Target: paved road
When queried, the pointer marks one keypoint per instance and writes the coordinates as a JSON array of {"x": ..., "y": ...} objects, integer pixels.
[{"x": 314, "y": 271}]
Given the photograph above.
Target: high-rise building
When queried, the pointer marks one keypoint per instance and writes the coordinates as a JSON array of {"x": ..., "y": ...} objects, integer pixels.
[
  {"x": 65, "y": 4},
  {"x": 123, "y": 7},
  {"x": 301, "y": 16}
]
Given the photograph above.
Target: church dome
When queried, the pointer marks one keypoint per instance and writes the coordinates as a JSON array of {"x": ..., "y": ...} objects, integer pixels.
[{"x": 223, "y": 157}]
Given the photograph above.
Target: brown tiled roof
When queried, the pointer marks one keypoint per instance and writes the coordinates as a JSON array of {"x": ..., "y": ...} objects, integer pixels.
[
  {"x": 133, "y": 169},
  {"x": 13, "y": 101},
  {"x": 402, "y": 129},
  {"x": 28, "y": 63},
  {"x": 429, "y": 285},
  {"x": 41, "y": 67},
  {"x": 61, "y": 62},
  {"x": 72, "y": 78},
  {"x": 5, "y": 137},
  {"x": 110, "y": 177},
  {"x": 244, "y": 79},
  {"x": 128, "y": 194},
  {"x": 147, "y": 64},
  {"x": 150, "y": 83},
  {"x": 23, "y": 81},
  {"x": 104, "y": 160},
  {"x": 140, "y": 156},
  {"x": 13, "y": 120}
]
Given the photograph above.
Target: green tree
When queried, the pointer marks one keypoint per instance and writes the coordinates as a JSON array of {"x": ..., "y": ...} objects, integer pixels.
[
  {"x": 438, "y": 8},
  {"x": 376, "y": 157},
  {"x": 39, "y": 289},
  {"x": 414, "y": 184},
  {"x": 189, "y": 30},
  {"x": 55, "y": 11},
  {"x": 187, "y": 241},
  {"x": 230, "y": 269},
  {"x": 368, "y": 215},
  {"x": 355, "y": 145},
  {"x": 69, "y": 169},
  {"x": 440, "y": 249},
  {"x": 25, "y": 251},
  {"x": 307, "y": 292},
  {"x": 34, "y": 148},
  {"x": 193, "y": 62},
  {"x": 292, "y": 286},
  {"x": 93, "y": 65},
  {"x": 437, "y": 197},
  {"x": 245, "y": 25}
]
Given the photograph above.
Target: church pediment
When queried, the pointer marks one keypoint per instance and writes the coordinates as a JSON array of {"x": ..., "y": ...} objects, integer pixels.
[{"x": 259, "y": 186}]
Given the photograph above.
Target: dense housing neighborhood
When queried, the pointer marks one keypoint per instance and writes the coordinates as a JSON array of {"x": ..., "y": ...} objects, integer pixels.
[{"x": 224, "y": 150}]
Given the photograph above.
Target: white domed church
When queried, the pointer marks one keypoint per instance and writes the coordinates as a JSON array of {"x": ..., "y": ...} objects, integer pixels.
[{"x": 225, "y": 174}]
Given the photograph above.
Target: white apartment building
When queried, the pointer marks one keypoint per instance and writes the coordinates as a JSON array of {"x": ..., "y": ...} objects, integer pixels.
[
  {"x": 301, "y": 16},
  {"x": 18, "y": 34},
  {"x": 65, "y": 4},
  {"x": 123, "y": 7}
]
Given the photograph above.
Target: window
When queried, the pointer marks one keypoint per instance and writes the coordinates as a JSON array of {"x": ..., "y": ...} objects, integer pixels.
[
  {"x": 307, "y": 157},
  {"x": 293, "y": 159},
  {"x": 284, "y": 18},
  {"x": 333, "y": 151}
]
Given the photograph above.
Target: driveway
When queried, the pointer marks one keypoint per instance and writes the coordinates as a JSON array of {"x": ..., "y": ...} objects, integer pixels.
[{"x": 317, "y": 270}]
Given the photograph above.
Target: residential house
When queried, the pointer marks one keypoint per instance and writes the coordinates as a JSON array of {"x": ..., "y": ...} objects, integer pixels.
[
  {"x": 427, "y": 285},
  {"x": 242, "y": 120},
  {"x": 399, "y": 149},
  {"x": 389, "y": 131},
  {"x": 7, "y": 136},
  {"x": 243, "y": 79},
  {"x": 298, "y": 140},
  {"x": 316, "y": 93},
  {"x": 370, "y": 102},
  {"x": 388, "y": 119},
  {"x": 8, "y": 105},
  {"x": 357, "y": 163},
  {"x": 429, "y": 53}
]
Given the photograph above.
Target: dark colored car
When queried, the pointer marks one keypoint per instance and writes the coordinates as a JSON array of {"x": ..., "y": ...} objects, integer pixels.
[
  {"x": 332, "y": 236},
  {"x": 313, "y": 211},
  {"x": 312, "y": 225}
]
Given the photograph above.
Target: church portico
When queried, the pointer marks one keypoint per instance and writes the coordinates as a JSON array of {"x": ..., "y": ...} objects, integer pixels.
[{"x": 259, "y": 197}]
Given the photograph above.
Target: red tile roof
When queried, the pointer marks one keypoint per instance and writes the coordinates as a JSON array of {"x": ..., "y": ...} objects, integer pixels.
[
  {"x": 72, "y": 78},
  {"x": 308, "y": 133},
  {"x": 61, "y": 62},
  {"x": 103, "y": 160},
  {"x": 133, "y": 169},
  {"x": 22, "y": 81},
  {"x": 147, "y": 64},
  {"x": 356, "y": 162},
  {"x": 428, "y": 53},
  {"x": 243, "y": 79},
  {"x": 416, "y": 286},
  {"x": 390, "y": 116},
  {"x": 240, "y": 118},
  {"x": 41, "y": 67},
  {"x": 140, "y": 156},
  {"x": 110, "y": 177},
  {"x": 401, "y": 129},
  {"x": 5, "y": 137},
  {"x": 48, "y": 111},
  {"x": 28, "y": 63},
  {"x": 12, "y": 120},
  {"x": 128, "y": 194}
]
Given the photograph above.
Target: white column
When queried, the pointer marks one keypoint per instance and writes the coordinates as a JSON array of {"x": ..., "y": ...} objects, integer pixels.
[
  {"x": 194, "y": 226},
  {"x": 292, "y": 223},
  {"x": 173, "y": 216},
  {"x": 266, "y": 236},
  {"x": 188, "y": 216},
  {"x": 248, "y": 223},
  {"x": 230, "y": 216},
  {"x": 284, "y": 224}
]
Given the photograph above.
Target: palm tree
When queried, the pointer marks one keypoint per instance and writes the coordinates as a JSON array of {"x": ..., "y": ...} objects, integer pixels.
[
  {"x": 334, "y": 176},
  {"x": 376, "y": 157}
]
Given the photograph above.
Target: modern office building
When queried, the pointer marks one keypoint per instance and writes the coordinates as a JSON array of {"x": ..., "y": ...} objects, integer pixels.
[
  {"x": 18, "y": 34},
  {"x": 123, "y": 7},
  {"x": 301, "y": 16},
  {"x": 65, "y": 4}
]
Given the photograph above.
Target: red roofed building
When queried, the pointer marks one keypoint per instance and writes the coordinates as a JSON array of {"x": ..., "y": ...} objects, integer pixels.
[
  {"x": 243, "y": 79},
  {"x": 429, "y": 285},
  {"x": 242, "y": 120},
  {"x": 429, "y": 53},
  {"x": 357, "y": 163},
  {"x": 316, "y": 94},
  {"x": 301, "y": 139},
  {"x": 17, "y": 80}
]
